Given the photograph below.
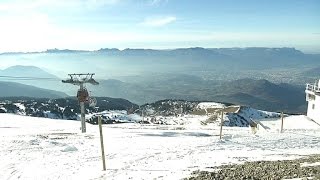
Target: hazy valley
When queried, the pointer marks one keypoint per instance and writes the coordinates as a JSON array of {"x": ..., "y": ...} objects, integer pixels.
[{"x": 267, "y": 78}]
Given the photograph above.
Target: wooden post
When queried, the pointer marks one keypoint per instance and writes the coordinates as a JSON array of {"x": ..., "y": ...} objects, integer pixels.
[
  {"x": 281, "y": 130},
  {"x": 102, "y": 146},
  {"x": 221, "y": 123}
]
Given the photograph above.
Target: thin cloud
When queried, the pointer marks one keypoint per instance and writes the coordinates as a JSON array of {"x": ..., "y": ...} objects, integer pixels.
[
  {"x": 159, "y": 21},
  {"x": 17, "y": 6}
]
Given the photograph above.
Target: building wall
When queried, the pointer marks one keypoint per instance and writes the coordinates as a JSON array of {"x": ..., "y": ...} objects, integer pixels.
[{"x": 314, "y": 108}]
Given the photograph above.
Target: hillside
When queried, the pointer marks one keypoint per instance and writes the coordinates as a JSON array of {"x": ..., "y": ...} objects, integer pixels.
[
  {"x": 201, "y": 114},
  {"x": 261, "y": 94},
  {"x": 10, "y": 89},
  {"x": 62, "y": 108},
  {"x": 26, "y": 71},
  {"x": 174, "y": 112},
  {"x": 34, "y": 76},
  {"x": 312, "y": 72}
]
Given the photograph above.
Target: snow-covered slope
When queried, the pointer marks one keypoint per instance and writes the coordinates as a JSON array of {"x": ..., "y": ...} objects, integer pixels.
[
  {"x": 204, "y": 113},
  {"x": 294, "y": 122},
  {"x": 41, "y": 148},
  {"x": 166, "y": 112},
  {"x": 244, "y": 115},
  {"x": 206, "y": 105},
  {"x": 114, "y": 116},
  {"x": 64, "y": 108}
]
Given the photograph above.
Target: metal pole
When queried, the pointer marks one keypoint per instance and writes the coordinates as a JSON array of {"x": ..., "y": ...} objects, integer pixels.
[
  {"x": 281, "y": 130},
  {"x": 83, "y": 113},
  {"x": 101, "y": 142},
  {"x": 221, "y": 124}
]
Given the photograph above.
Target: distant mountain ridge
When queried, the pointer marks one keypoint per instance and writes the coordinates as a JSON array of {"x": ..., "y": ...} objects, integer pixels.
[
  {"x": 11, "y": 89},
  {"x": 26, "y": 71},
  {"x": 226, "y": 51},
  {"x": 33, "y": 76},
  {"x": 196, "y": 58}
]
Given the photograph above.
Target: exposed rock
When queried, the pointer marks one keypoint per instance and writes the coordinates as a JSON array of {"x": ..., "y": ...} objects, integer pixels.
[{"x": 286, "y": 169}]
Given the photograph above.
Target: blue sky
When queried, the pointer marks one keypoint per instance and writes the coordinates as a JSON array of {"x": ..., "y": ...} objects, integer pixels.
[{"x": 92, "y": 24}]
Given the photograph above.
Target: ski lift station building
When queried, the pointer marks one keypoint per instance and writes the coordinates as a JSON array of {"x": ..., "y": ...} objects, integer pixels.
[{"x": 313, "y": 99}]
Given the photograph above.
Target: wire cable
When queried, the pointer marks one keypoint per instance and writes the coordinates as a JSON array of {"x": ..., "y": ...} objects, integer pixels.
[{"x": 27, "y": 78}]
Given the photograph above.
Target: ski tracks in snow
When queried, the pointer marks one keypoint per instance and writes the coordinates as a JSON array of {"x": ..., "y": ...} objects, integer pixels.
[
  {"x": 27, "y": 157},
  {"x": 51, "y": 149}
]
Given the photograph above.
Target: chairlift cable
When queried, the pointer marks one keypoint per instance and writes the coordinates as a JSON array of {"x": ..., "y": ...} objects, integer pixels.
[{"x": 28, "y": 78}]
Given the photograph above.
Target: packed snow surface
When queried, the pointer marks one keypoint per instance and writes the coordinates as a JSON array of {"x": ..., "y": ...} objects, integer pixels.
[{"x": 40, "y": 148}]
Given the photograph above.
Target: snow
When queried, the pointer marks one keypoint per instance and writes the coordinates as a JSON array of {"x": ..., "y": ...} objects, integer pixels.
[
  {"x": 69, "y": 149},
  {"x": 188, "y": 121},
  {"x": 244, "y": 115},
  {"x": 206, "y": 105},
  {"x": 310, "y": 164},
  {"x": 290, "y": 123},
  {"x": 50, "y": 115},
  {"x": 3, "y": 109},
  {"x": 117, "y": 115},
  {"x": 256, "y": 114},
  {"x": 20, "y": 106},
  {"x": 41, "y": 148}
]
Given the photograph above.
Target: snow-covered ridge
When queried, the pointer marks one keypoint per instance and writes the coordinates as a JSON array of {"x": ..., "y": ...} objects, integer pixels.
[
  {"x": 167, "y": 112},
  {"x": 245, "y": 115},
  {"x": 114, "y": 116},
  {"x": 184, "y": 112},
  {"x": 59, "y": 108}
]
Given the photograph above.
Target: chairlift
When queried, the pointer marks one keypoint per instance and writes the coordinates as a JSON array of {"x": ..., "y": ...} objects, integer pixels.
[
  {"x": 83, "y": 95},
  {"x": 92, "y": 101}
]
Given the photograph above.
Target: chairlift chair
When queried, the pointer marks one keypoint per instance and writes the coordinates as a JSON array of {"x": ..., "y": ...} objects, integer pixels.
[
  {"x": 83, "y": 95},
  {"x": 92, "y": 101}
]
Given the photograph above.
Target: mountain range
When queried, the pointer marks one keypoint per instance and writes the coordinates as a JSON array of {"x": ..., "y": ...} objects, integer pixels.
[
  {"x": 11, "y": 89},
  {"x": 266, "y": 78},
  {"x": 261, "y": 93},
  {"x": 194, "y": 60}
]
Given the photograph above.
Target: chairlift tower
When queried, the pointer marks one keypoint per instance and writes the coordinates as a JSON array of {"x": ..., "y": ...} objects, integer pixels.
[{"x": 82, "y": 95}]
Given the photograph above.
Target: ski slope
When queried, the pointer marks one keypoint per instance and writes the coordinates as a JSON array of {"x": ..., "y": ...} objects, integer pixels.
[{"x": 39, "y": 148}]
